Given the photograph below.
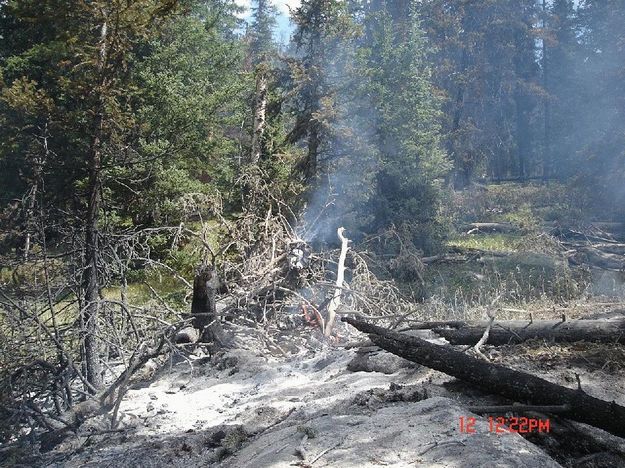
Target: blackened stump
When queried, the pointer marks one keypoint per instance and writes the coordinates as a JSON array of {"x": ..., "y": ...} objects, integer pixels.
[{"x": 204, "y": 308}]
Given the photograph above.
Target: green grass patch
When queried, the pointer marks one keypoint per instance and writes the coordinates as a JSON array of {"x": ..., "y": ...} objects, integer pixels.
[
  {"x": 490, "y": 242},
  {"x": 517, "y": 278},
  {"x": 501, "y": 202}
]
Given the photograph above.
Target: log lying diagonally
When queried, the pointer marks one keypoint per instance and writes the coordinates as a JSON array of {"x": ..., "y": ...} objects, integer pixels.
[
  {"x": 493, "y": 378},
  {"x": 517, "y": 331}
]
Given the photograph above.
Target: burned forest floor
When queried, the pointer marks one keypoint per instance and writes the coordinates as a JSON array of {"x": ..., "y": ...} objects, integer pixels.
[
  {"x": 282, "y": 394},
  {"x": 337, "y": 405}
]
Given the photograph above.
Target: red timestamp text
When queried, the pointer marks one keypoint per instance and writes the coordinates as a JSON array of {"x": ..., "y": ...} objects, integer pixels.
[{"x": 503, "y": 425}]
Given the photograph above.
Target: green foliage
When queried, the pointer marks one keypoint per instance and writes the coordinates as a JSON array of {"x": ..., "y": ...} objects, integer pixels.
[
  {"x": 405, "y": 132},
  {"x": 170, "y": 107},
  {"x": 599, "y": 165},
  {"x": 497, "y": 203},
  {"x": 261, "y": 31},
  {"x": 524, "y": 218},
  {"x": 488, "y": 74},
  {"x": 490, "y": 242}
]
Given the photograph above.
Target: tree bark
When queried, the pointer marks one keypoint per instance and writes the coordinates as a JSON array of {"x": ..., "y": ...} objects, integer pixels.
[
  {"x": 493, "y": 378},
  {"x": 523, "y": 136},
  {"x": 335, "y": 302},
  {"x": 547, "y": 157},
  {"x": 260, "y": 113},
  {"x": 314, "y": 140},
  {"x": 517, "y": 331},
  {"x": 204, "y": 308},
  {"x": 91, "y": 282}
]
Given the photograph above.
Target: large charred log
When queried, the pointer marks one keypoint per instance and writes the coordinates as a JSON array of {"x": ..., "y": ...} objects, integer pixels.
[
  {"x": 517, "y": 331},
  {"x": 493, "y": 378}
]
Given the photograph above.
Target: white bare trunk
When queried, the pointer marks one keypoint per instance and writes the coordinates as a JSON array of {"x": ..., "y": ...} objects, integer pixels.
[
  {"x": 260, "y": 114},
  {"x": 335, "y": 302}
]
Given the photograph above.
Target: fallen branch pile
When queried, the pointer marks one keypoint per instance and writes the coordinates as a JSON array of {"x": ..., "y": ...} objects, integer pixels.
[
  {"x": 599, "y": 245},
  {"x": 493, "y": 378},
  {"x": 107, "y": 400}
]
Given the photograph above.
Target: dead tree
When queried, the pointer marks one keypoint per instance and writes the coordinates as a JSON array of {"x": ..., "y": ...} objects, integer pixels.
[
  {"x": 260, "y": 113},
  {"x": 91, "y": 280},
  {"x": 204, "y": 308},
  {"x": 335, "y": 302},
  {"x": 105, "y": 400},
  {"x": 493, "y": 378}
]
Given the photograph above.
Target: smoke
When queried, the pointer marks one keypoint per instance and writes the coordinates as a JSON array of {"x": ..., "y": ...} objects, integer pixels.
[
  {"x": 284, "y": 27},
  {"x": 608, "y": 284},
  {"x": 347, "y": 160}
]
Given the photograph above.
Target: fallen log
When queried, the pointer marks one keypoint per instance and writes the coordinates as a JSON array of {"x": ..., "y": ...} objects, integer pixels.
[
  {"x": 598, "y": 329},
  {"x": 473, "y": 228},
  {"x": 516, "y": 408},
  {"x": 604, "y": 247},
  {"x": 493, "y": 378},
  {"x": 594, "y": 257},
  {"x": 517, "y": 331},
  {"x": 432, "y": 325},
  {"x": 572, "y": 234},
  {"x": 451, "y": 258},
  {"x": 465, "y": 254}
]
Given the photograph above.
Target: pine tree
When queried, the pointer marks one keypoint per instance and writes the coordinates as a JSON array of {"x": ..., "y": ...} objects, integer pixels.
[
  {"x": 561, "y": 83},
  {"x": 405, "y": 107},
  {"x": 321, "y": 26},
  {"x": 601, "y": 159},
  {"x": 105, "y": 104},
  {"x": 261, "y": 30},
  {"x": 488, "y": 71}
]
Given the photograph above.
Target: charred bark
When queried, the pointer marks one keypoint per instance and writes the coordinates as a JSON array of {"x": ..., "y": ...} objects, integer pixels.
[
  {"x": 432, "y": 325},
  {"x": 517, "y": 331},
  {"x": 204, "y": 308},
  {"x": 493, "y": 378}
]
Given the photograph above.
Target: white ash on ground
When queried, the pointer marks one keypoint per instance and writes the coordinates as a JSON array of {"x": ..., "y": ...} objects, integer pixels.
[{"x": 249, "y": 410}]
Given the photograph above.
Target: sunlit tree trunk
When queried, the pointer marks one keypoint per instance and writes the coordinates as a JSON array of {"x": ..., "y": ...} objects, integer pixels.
[{"x": 260, "y": 113}]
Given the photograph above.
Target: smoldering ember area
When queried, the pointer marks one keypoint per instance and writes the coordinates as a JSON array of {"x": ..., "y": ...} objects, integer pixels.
[{"x": 314, "y": 233}]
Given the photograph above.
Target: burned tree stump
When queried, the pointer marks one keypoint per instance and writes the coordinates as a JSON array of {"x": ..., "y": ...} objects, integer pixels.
[
  {"x": 496, "y": 379},
  {"x": 204, "y": 308}
]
